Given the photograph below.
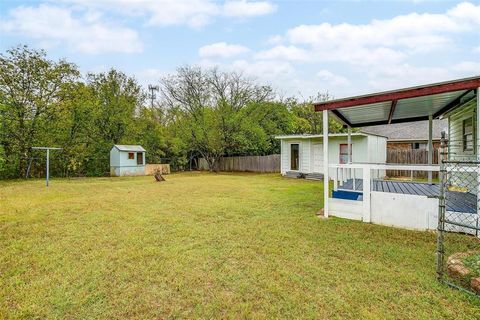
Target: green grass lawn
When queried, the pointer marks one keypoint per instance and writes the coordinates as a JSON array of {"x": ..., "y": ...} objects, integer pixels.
[{"x": 207, "y": 246}]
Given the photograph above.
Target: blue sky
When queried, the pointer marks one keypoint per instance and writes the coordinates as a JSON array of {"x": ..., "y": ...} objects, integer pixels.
[{"x": 299, "y": 47}]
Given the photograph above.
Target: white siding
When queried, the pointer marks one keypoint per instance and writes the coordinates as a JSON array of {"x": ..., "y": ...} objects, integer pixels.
[
  {"x": 455, "y": 144},
  {"x": 283, "y": 157},
  {"x": 364, "y": 149},
  {"x": 377, "y": 153},
  {"x": 305, "y": 163}
]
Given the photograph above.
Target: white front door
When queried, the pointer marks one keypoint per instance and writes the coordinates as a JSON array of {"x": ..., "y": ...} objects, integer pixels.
[{"x": 318, "y": 157}]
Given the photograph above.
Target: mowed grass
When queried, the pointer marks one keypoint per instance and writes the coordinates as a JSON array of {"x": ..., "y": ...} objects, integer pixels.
[{"x": 206, "y": 245}]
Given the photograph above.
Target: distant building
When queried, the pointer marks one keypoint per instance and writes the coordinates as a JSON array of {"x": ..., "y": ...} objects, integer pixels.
[
  {"x": 127, "y": 160},
  {"x": 411, "y": 135}
]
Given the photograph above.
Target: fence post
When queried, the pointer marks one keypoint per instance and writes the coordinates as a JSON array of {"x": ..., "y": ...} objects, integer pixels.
[{"x": 441, "y": 213}]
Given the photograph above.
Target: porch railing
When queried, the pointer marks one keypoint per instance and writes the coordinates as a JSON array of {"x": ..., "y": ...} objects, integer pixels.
[{"x": 343, "y": 172}]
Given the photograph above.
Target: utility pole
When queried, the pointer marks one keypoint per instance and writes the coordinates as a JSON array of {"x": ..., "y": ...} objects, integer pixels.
[
  {"x": 152, "y": 90},
  {"x": 48, "y": 159}
]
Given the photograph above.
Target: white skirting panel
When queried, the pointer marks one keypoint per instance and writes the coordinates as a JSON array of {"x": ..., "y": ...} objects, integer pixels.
[
  {"x": 391, "y": 209},
  {"x": 404, "y": 210},
  {"x": 348, "y": 209}
]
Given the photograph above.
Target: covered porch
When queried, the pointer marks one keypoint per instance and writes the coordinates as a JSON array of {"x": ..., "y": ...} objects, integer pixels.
[{"x": 372, "y": 198}]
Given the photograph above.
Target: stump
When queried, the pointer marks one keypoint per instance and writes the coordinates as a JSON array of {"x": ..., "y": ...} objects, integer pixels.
[{"x": 158, "y": 176}]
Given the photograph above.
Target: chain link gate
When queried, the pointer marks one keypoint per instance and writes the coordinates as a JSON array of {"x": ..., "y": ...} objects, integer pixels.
[{"x": 458, "y": 234}]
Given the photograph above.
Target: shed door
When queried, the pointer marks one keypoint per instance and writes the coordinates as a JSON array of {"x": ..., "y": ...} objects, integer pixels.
[
  {"x": 140, "y": 158},
  {"x": 318, "y": 157}
]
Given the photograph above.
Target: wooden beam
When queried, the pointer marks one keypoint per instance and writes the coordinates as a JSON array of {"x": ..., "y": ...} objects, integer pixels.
[
  {"x": 376, "y": 123},
  {"x": 341, "y": 117},
  {"x": 420, "y": 91},
  {"x": 451, "y": 105},
  {"x": 392, "y": 110}
]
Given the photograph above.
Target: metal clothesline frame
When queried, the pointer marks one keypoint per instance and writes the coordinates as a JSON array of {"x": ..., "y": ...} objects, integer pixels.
[{"x": 48, "y": 160}]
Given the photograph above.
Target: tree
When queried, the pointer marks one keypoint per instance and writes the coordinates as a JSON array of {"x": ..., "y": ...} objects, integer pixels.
[
  {"x": 212, "y": 104},
  {"x": 31, "y": 88},
  {"x": 116, "y": 100},
  {"x": 306, "y": 120}
]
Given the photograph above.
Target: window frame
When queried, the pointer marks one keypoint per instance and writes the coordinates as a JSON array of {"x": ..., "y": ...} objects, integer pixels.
[
  {"x": 465, "y": 135},
  {"x": 131, "y": 156},
  {"x": 340, "y": 154},
  {"x": 298, "y": 156}
]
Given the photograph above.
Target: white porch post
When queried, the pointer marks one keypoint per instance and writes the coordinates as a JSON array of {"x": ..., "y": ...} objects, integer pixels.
[
  {"x": 349, "y": 152},
  {"x": 325, "y": 163},
  {"x": 430, "y": 146},
  {"x": 366, "y": 193}
]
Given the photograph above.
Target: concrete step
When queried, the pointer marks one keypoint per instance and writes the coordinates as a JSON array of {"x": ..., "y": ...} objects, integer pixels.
[
  {"x": 293, "y": 174},
  {"x": 314, "y": 176}
]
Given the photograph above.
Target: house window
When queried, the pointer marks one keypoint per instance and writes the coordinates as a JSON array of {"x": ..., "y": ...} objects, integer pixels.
[
  {"x": 419, "y": 146},
  {"x": 131, "y": 155},
  {"x": 139, "y": 158},
  {"x": 294, "y": 156},
  {"x": 468, "y": 134},
  {"x": 344, "y": 153}
]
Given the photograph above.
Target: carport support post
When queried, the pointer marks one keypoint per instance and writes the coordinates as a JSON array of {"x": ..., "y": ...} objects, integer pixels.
[
  {"x": 430, "y": 146},
  {"x": 349, "y": 151},
  {"x": 325, "y": 163}
]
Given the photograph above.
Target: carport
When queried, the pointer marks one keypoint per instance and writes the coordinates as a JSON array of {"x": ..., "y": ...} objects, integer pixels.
[{"x": 426, "y": 102}]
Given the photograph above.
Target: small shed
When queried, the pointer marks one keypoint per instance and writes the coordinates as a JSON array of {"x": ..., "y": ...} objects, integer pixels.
[{"x": 127, "y": 160}]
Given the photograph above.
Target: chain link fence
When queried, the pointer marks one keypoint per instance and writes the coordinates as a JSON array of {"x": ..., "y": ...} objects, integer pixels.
[{"x": 458, "y": 241}]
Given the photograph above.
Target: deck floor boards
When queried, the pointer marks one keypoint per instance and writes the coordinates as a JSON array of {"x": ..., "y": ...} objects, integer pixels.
[{"x": 455, "y": 201}]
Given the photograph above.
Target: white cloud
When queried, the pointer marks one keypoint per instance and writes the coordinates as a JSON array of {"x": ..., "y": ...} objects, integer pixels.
[
  {"x": 332, "y": 79},
  {"x": 274, "y": 40},
  {"x": 243, "y": 8},
  {"x": 54, "y": 26},
  {"x": 192, "y": 13},
  {"x": 150, "y": 76},
  {"x": 284, "y": 52},
  {"x": 384, "y": 54},
  {"x": 222, "y": 50},
  {"x": 267, "y": 69},
  {"x": 468, "y": 67},
  {"x": 380, "y": 41}
]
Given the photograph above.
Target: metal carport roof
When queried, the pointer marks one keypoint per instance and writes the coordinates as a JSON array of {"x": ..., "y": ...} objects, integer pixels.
[{"x": 403, "y": 105}]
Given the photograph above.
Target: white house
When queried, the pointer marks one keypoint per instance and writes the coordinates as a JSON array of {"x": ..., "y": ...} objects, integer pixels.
[
  {"x": 304, "y": 153},
  {"x": 127, "y": 160}
]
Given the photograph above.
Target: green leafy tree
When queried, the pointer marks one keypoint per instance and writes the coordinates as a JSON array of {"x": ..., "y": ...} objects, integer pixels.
[
  {"x": 306, "y": 120},
  {"x": 31, "y": 88},
  {"x": 116, "y": 100},
  {"x": 211, "y": 104}
]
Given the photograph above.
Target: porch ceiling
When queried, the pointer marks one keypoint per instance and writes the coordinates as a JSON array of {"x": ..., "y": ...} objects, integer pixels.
[{"x": 403, "y": 105}]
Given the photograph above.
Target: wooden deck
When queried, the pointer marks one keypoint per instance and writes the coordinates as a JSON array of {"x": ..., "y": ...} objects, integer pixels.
[{"x": 455, "y": 201}]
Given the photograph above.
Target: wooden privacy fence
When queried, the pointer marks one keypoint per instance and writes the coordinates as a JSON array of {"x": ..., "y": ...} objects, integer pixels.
[
  {"x": 269, "y": 163},
  {"x": 410, "y": 157},
  {"x": 150, "y": 169}
]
